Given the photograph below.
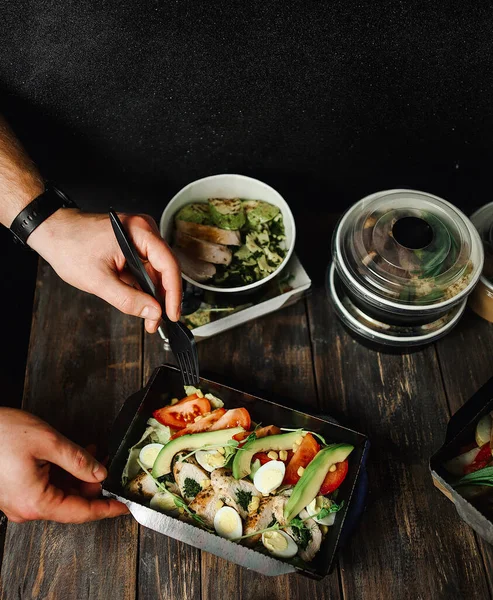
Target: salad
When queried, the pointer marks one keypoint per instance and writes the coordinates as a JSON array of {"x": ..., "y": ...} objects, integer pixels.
[
  {"x": 269, "y": 488},
  {"x": 472, "y": 469},
  {"x": 229, "y": 242}
]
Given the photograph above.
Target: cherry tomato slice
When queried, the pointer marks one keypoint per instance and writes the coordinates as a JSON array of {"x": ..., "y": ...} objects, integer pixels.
[
  {"x": 309, "y": 447},
  {"x": 262, "y": 432},
  {"x": 482, "y": 460},
  {"x": 262, "y": 457},
  {"x": 203, "y": 424},
  {"x": 236, "y": 417},
  {"x": 268, "y": 430},
  {"x": 334, "y": 479},
  {"x": 182, "y": 413}
]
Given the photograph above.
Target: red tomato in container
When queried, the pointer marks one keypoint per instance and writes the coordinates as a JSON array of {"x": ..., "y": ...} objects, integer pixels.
[
  {"x": 307, "y": 451},
  {"x": 182, "y": 413},
  {"x": 268, "y": 430},
  {"x": 482, "y": 460},
  {"x": 203, "y": 424},
  {"x": 263, "y": 457},
  {"x": 334, "y": 479},
  {"x": 236, "y": 417}
]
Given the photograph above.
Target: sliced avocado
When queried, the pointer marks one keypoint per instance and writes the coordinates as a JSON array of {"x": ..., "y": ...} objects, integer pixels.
[
  {"x": 243, "y": 458},
  {"x": 259, "y": 212},
  {"x": 162, "y": 464},
  {"x": 227, "y": 213},
  {"x": 197, "y": 212},
  {"x": 313, "y": 476}
]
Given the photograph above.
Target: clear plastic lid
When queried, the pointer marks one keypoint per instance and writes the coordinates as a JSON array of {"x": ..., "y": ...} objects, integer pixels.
[
  {"x": 408, "y": 250},
  {"x": 483, "y": 221}
]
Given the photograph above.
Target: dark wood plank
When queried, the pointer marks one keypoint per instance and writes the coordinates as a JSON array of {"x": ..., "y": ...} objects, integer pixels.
[
  {"x": 410, "y": 543},
  {"x": 168, "y": 569},
  {"x": 84, "y": 360},
  {"x": 466, "y": 361},
  {"x": 272, "y": 353}
]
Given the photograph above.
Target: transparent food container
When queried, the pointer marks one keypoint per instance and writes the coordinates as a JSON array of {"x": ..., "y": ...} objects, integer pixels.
[
  {"x": 404, "y": 263},
  {"x": 481, "y": 300}
]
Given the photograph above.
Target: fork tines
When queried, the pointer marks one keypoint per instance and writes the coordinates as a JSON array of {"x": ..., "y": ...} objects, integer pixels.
[{"x": 187, "y": 367}]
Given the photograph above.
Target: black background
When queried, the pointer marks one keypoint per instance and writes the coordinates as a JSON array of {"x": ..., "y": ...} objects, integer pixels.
[{"x": 123, "y": 103}]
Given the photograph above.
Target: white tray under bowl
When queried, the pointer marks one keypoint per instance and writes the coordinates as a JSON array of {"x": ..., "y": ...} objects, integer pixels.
[{"x": 299, "y": 284}]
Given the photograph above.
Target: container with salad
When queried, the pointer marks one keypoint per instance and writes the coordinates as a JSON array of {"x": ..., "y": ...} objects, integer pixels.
[
  {"x": 463, "y": 468},
  {"x": 404, "y": 263},
  {"x": 237, "y": 475}
]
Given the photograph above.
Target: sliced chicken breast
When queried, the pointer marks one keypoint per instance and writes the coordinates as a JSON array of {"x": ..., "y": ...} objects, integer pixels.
[
  {"x": 209, "y": 233},
  {"x": 206, "y": 251},
  {"x": 312, "y": 541},
  {"x": 206, "y": 504},
  {"x": 198, "y": 270},
  {"x": 237, "y": 493},
  {"x": 142, "y": 487},
  {"x": 191, "y": 479},
  {"x": 270, "y": 509}
]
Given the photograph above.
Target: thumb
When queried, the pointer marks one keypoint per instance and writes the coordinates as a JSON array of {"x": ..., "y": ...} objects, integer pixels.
[
  {"x": 127, "y": 299},
  {"x": 72, "y": 458}
]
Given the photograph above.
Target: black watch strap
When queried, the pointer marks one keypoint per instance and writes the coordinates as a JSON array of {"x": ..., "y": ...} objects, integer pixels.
[{"x": 38, "y": 211}]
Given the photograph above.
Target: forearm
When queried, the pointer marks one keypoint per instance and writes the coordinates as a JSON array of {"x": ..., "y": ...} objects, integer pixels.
[{"x": 20, "y": 181}]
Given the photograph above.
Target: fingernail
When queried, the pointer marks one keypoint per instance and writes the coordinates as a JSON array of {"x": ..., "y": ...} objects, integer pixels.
[
  {"x": 99, "y": 471},
  {"x": 150, "y": 312}
]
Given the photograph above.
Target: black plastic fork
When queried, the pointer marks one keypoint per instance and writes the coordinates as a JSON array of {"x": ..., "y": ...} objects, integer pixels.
[{"x": 180, "y": 338}]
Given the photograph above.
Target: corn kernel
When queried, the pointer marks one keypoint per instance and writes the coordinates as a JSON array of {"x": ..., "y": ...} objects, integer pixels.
[
  {"x": 273, "y": 455},
  {"x": 300, "y": 471},
  {"x": 174, "y": 401},
  {"x": 181, "y": 510},
  {"x": 199, "y": 393},
  {"x": 221, "y": 450},
  {"x": 205, "y": 483},
  {"x": 295, "y": 447},
  {"x": 298, "y": 440},
  {"x": 324, "y": 529},
  {"x": 283, "y": 455},
  {"x": 332, "y": 469},
  {"x": 219, "y": 504}
]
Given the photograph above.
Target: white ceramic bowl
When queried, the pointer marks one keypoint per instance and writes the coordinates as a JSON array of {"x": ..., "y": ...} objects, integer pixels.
[{"x": 230, "y": 186}]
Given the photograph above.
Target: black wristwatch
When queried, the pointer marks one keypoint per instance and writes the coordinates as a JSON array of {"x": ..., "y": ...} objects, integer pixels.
[{"x": 38, "y": 211}]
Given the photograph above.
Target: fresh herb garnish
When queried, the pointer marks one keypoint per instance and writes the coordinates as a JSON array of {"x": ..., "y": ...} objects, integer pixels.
[
  {"x": 243, "y": 498},
  {"x": 302, "y": 431},
  {"x": 191, "y": 487},
  {"x": 327, "y": 510},
  {"x": 301, "y": 532}
]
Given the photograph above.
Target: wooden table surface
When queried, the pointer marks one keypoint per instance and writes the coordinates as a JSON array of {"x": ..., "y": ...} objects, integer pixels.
[{"x": 85, "y": 358}]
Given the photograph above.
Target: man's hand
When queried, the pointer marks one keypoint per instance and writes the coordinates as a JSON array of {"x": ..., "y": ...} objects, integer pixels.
[
  {"x": 83, "y": 250},
  {"x": 43, "y": 475}
]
